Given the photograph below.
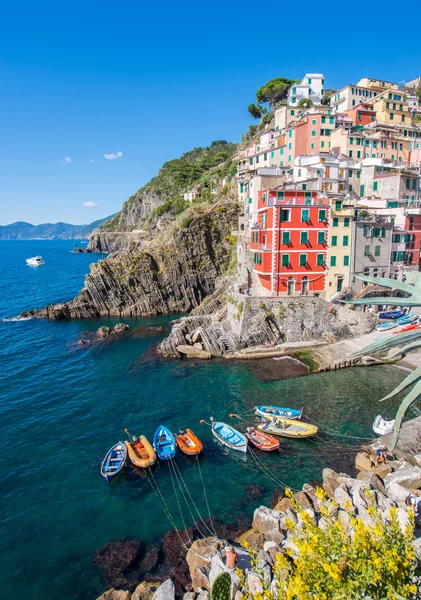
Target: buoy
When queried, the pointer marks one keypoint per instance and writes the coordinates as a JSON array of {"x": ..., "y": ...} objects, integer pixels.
[{"x": 331, "y": 309}]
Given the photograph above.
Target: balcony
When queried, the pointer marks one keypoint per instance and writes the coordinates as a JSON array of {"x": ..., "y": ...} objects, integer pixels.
[{"x": 265, "y": 247}]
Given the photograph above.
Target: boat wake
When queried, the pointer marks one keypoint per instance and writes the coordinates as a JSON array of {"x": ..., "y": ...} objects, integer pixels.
[
  {"x": 14, "y": 319},
  {"x": 290, "y": 358}
]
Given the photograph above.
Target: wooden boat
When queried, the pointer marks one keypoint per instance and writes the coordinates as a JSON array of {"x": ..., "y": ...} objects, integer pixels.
[
  {"x": 229, "y": 436},
  {"x": 188, "y": 442},
  {"x": 289, "y": 428},
  {"x": 261, "y": 440},
  {"x": 164, "y": 443},
  {"x": 278, "y": 411},
  {"x": 407, "y": 319},
  {"x": 381, "y": 426},
  {"x": 392, "y": 314},
  {"x": 140, "y": 451},
  {"x": 114, "y": 461},
  {"x": 408, "y": 328},
  {"x": 386, "y": 326}
]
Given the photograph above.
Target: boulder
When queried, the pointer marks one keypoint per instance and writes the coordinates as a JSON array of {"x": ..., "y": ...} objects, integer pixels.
[
  {"x": 253, "y": 538},
  {"x": 396, "y": 492},
  {"x": 417, "y": 548},
  {"x": 189, "y": 596},
  {"x": 303, "y": 500},
  {"x": 121, "y": 328},
  {"x": 254, "y": 584},
  {"x": 150, "y": 561},
  {"x": 200, "y": 555},
  {"x": 382, "y": 470},
  {"x": 331, "y": 480},
  {"x": 117, "y": 558},
  {"x": 372, "y": 479},
  {"x": 345, "y": 520},
  {"x": 145, "y": 590},
  {"x": 103, "y": 331},
  {"x": 115, "y": 595},
  {"x": 311, "y": 493},
  {"x": 191, "y": 352},
  {"x": 198, "y": 346},
  {"x": 265, "y": 519},
  {"x": 409, "y": 477},
  {"x": 203, "y": 595},
  {"x": 166, "y": 591},
  {"x": 283, "y": 505},
  {"x": 343, "y": 499},
  {"x": 363, "y": 462},
  {"x": 273, "y": 551},
  {"x": 196, "y": 336},
  {"x": 274, "y": 536}
]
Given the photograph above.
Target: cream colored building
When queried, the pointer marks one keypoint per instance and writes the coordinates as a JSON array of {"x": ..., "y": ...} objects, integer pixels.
[{"x": 339, "y": 246}]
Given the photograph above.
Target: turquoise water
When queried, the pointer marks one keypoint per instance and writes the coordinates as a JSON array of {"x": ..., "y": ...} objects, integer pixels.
[{"x": 62, "y": 406}]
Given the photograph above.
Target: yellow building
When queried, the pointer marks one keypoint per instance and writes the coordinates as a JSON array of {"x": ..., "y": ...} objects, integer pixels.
[
  {"x": 391, "y": 108},
  {"x": 339, "y": 246}
]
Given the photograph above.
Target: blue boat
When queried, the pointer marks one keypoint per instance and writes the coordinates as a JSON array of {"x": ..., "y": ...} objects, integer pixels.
[
  {"x": 164, "y": 443},
  {"x": 114, "y": 461},
  {"x": 278, "y": 411},
  {"x": 386, "y": 326},
  {"x": 229, "y": 436},
  {"x": 407, "y": 319},
  {"x": 392, "y": 314}
]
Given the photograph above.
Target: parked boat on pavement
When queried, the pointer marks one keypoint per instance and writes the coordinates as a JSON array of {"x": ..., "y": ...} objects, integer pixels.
[
  {"x": 391, "y": 314},
  {"x": 386, "y": 326}
]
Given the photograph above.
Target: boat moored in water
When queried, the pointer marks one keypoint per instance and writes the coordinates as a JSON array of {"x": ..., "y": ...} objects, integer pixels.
[
  {"x": 227, "y": 435},
  {"x": 278, "y": 411},
  {"x": 35, "y": 261},
  {"x": 140, "y": 451},
  {"x": 164, "y": 443},
  {"x": 289, "y": 428},
  {"x": 261, "y": 440},
  {"x": 188, "y": 442},
  {"x": 382, "y": 426},
  {"x": 114, "y": 461}
]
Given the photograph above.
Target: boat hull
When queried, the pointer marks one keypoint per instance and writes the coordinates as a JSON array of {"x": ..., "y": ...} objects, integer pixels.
[
  {"x": 143, "y": 456},
  {"x": 386, "y": 326},
  {"x": 164, "y": 443},
  {"x": 114, "y": 461},
  {"x": 278, "y": 411},
  {"x": 289, "y": 428},
  {"x": 261, "y": 440},
  {"x": 240, "y": 444},
  {"x": 189, "y": 443},
  {"x": 393, "y": 314},
  {"x": 381, "y": 426}
]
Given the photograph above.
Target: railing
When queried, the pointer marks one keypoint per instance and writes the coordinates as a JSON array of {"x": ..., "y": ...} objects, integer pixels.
[{"x": 265, "y": 247}]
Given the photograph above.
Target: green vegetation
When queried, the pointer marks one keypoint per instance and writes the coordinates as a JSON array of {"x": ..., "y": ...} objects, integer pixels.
[
  {"x": 256, "y": 111},
  {"x": 327, "y": 95},
  {"x": 274, "y": 91},
  {"x": 221, "y": 587},
  {"x": 305, "y": 103}
]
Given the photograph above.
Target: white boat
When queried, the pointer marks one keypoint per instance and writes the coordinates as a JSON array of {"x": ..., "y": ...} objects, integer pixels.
[
  {"x": 381, "y": 426},
  {"x": 35, "y": 261},
  {"x": 229, "y": 436}
]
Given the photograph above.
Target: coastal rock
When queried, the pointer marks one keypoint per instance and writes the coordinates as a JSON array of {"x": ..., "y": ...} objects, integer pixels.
[
  {"x": 203, "y": 595},
  {"x": 150, "y": 561},
  {"x": 331, "y": 480},
  {"x": 254, "y": 583},
  {"x": 103, "y": 331},
  {"x": 363, "y": 462},
  {"x": 253, "y": 538},
  {"x": 265, "y": 519},
  {"x": 396, "y": 492},
  {"x": 382, "y": 470},
  {"x": 200, "y": 555},
  {"x": 192, "y": 352},
  {"x": 407, "y": 477},
  {"x": 121, "y": 328},
  {"x": 372, "y": 479},
  {"x": 115, "y": 595},
  {"x": 166, "y": 591},
  {"x": 117, "y": 558},
  {"x": 417, "y": 548},
  {"x": 146, "y": 590},
  {"x": 189, "y": 596},
  {"x": 303, "y": 500},
  {"x": 254, "y": 490},
  {"x": 283, "y": 505},
  {"x": 274, "y": 536},
  {"x": 343, "y": 499}
]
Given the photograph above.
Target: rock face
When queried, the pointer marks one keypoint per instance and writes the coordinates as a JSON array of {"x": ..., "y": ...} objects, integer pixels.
[
  {"x": 117, "y": 559},
  {"x": 172, "y": 276}
]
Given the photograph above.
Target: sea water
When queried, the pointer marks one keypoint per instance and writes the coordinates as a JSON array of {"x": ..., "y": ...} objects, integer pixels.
[{"x": 62, "y": 406}]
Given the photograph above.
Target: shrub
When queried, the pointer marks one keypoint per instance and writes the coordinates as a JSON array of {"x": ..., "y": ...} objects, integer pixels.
[
  {"x": 185, "y": 223},
  {"x": 377, "y": 562}
]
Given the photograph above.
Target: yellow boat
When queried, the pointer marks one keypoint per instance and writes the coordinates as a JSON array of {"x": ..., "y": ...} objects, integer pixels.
[
  {"x": 289, "y": 428},
  {"x": 141, "y": 452}
]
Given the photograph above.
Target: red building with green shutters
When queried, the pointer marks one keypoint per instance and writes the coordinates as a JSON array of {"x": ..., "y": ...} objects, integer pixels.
[{"x": 289, "y": 242}]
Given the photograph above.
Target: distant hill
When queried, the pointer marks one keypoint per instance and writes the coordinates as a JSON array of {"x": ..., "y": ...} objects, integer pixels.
[{"x": 48, "y": 231}]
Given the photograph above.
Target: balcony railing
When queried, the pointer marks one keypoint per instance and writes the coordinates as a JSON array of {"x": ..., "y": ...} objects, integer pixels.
[{"x": 265, "y": 247}]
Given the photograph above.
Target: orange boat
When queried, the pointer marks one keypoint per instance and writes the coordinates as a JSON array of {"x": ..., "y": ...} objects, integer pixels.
[
  {"x": 408, "y": 328},
  {"x": 140, "y": 451},
  {"x": 188, "y": 442},
  {"x": 261, "y": 440}
]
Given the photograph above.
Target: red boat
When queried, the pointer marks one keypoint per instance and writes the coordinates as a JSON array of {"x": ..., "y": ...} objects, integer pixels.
[
  {"x": 261, "y": 440},
  {"x": 407, "y": 328}
]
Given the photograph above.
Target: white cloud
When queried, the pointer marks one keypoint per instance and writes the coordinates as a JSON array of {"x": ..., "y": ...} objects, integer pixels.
[
  {"x": 90, "y": 204},
  {"x": 67, "y": 159},
  {"x": 113, "y": 156},
  {"x": 91, "y": 161}
]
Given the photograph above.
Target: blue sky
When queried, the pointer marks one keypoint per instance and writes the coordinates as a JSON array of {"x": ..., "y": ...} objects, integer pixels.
[{"x": 151, "y": 81}]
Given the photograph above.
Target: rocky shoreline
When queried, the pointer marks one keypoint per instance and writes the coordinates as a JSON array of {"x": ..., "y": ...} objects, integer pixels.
[{"x": 381, "y": 487}]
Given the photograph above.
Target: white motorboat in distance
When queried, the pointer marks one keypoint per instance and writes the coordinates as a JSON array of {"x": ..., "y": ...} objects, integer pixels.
[{"x": 35, "y": 261}]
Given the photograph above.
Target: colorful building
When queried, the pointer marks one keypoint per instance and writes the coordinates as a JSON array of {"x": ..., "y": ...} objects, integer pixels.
[
  {"x": 311, "y": 88},
  {"x": 339, "y": 248},
  {"x": 289, "y": 242}
]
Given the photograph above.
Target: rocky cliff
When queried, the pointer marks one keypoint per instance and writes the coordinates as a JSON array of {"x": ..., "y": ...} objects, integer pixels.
[{"x": 173, "y": 273}]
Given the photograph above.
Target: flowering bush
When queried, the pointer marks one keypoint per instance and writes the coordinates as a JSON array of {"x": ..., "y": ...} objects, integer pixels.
[{"x": 370, "y": 559}]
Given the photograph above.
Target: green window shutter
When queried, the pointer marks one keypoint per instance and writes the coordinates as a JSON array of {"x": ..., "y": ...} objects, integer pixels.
[
  {"x": 321, "y": 237},
  {"x": 346, "y": 261},
  {"x": 313, "y": 133},
  {"x": 375, "y": 185},
  {"x": 304, "y": 237},
  {"x": 265, "y": 155},
  {"x": 335, "y": 222},
  {"x": 286, "y": 237},
  {"x": 280, "y": 195},
  {"x": 362, "y": 189},
  {"x": 350, "y": 187},
  {"x": 272, "y": 154},
  {"x": 285, "y": 260},
  {"x": 304, "y": 186},
  {"x": 322, "y": 215},
  {"x": 303, "y": 260},
  {"x": 257, "y": 233},
  {"x": 323, "y": 119},
  {"x": 305, "y": 215},
  {"x": 367, "y": 250},
  {"x": 338, "y": 205},
  {"x": 377, "y": 250},
  {"x": 351, "y": 141},
  {"x": 345, "y": 240},
  {"x": 252, "y": 237},
  {"x": 333, "y": 261},
  {"x": 241, "y": 187},
  {"x": 346, "y": 222},
  {"x": 383, "y": 232},
  {"x": 376, "y": 232},
  {"x": 334, "y": 240},
  {"x": 320, "y": 261}
]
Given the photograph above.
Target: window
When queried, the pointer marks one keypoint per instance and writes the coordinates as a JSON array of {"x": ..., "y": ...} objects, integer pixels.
[
  {"x": 250, "y": 161},
  {"x": 292, "y": 112},
  {"x": 304, "y": 237},
  {"x": 305, "y": 215},
  {"x": 272, "y": 154},
  {"x": 331, "y": 120},
  {"x": 285, "y": 260},
  {"x": 391, "y": 116},
  {"x": 338, "y": 205},
  {"x": 345, "y": 240},
  {"x": 303, "y": 260},
  {"x": 375, "y": 186},
  {"x": 286, "y": 237},
  {"x": 264, "y": 220},
  {"x": 313, "y": 133},
  {"x": 314, "y": 122},
  {"x": 396, "y": 238},
  {"x": 321, "y": 237},
  {"x": 264, "y": 197},
  {"x": 309, "y": 80},
  {"x": 346, "y": 261},
  {"x": 241, "y": 188},
  {"x": 335, "y": 222},
  {"x": 285, "y": 215},
  {"x": 323, "y": 119},
  {"x": 265, "y": 156},
  {"x": 322, "y": 215},
  {"x": 333, "y": 261},
  {"x": 383, "y": 232},
  {"x": 280, "y": 195},
  {"x": 350, "y": 154},
  {"x": 377, "y": 250},
  {"x": 334, "y": 240},
  {"x": 361, "y": 190},
  {"x": 346, "y": 222},
  {"x": 290, "y": 133},
  {"x": 358, "y": 153},
  {"x": 320, "y": 260},
  {"x": 367, "y": 251},
  {"x": 304, "y": 186},
  {"x": 312, "y": 146}
]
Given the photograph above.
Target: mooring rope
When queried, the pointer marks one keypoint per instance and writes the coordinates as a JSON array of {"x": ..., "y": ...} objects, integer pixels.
[
  {"x": 269, "y": 472},
  {"x": 178, "y": 501},
  {"x": 344, "y": 435},
  {"x": 179, "y": 478},
  {"x": 205, "y": 494}
]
